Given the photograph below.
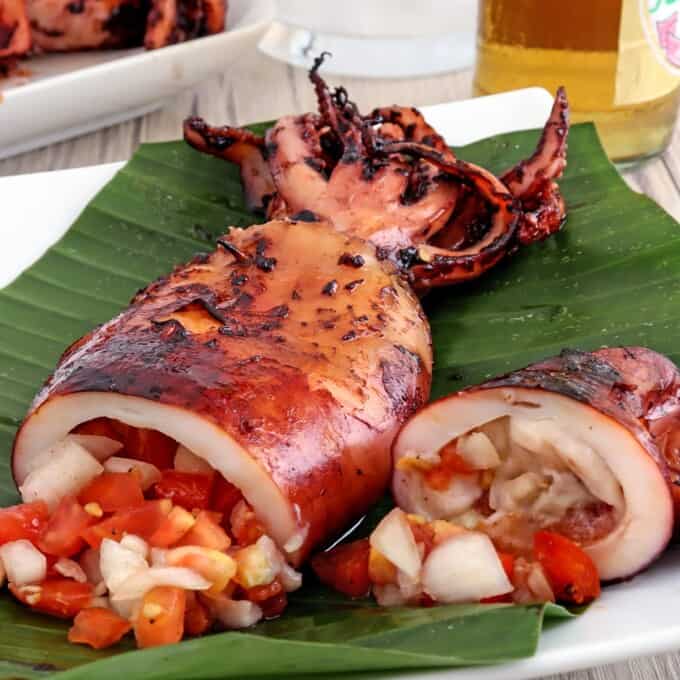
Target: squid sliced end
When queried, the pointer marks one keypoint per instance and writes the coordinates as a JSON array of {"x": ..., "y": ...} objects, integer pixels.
[
  {"x": 558, "y": 458},
  {"x": 53, "y": 422}
]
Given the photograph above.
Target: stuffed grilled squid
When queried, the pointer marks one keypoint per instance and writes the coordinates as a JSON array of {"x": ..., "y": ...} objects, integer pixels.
[
  {"x": 531, "y": 487},
  {"x": 259, "y": 387}
]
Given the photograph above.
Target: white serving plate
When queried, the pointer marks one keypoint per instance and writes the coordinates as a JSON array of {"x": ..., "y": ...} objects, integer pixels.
[
  {"x": 70, "y": 94},
  {"x": 631, "y": 619}
]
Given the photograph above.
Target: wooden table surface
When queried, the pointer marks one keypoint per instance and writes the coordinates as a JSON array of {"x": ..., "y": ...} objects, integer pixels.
[{"x": 258, "y": 88}]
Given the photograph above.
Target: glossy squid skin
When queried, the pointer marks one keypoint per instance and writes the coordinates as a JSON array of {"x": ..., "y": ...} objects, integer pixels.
[
  {"x": 390, "y": 178},
  {"x": 637, "y": 387},
  {"x": 293, "y": 339},
  {"x": 15, "y": 33}
]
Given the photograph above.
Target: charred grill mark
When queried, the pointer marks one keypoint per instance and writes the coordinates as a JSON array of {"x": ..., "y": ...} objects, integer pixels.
[
  {"x": 238, "y": 254},
  {"x": 280, "y": 311},
  {"x": 330, "y": 289},
  {"x": 237, "y": 279},
  {"x": 350, "y": 335},
  {"x": 407, "y": 256},
  {"x": 204, "y": 303},
  {"x": 355, "y": 261},
  {"x": 315, "y": 164},
  {"x": 76, "y": 7},
  {"x": 171, "y": 329},
  {"x": 353, "y": 285},
  {"x": 265, "y": 264},
  {"x": 305, "y": 216}
]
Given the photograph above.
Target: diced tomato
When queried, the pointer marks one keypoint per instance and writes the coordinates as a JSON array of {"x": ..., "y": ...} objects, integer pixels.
[
  {"x": 143, "y": 521},
  {"x": 60, "y": 597},
  {"x": 508, "y": 562},
  {"x": 224, "y": 496},
  {"x": 113, "y": 491},
  {"x": 422, "y": 533},
  {"x": 140, "y": 443},
  {"x": 23, "y": 521},
  {"x": 262, "y": 593},
  {"x": 439, "y": 477},
  {"x": 245, "y": 528},
  {"x": 197, "y": 617},
  {"x": 274, "y": 606},
  {"x": 188, "y": 489},
  {"x": 151, "y": 446},
  {"x": 98, "y": 627},
  {"x": 570, "y": 570},
  {"x": 161, "y": 617},
  {"x": 345, "y": 568},
  {"x": 62, "y": 535},
  {"x": 206, "y": 532},
  {"x": 175, "y": 525}
]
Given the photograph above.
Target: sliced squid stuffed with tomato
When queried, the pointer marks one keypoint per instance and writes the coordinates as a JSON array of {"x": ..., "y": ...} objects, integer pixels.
[
  {"x": 532, "y": 487},
  {"x": 185, "y": 457}
]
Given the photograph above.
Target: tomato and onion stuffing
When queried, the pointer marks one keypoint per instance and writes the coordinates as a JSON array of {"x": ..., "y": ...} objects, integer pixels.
[{"x": 134, "y": 537}]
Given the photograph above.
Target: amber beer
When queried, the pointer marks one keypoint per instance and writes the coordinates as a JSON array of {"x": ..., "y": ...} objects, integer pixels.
[{"x": 619, "y": 60}]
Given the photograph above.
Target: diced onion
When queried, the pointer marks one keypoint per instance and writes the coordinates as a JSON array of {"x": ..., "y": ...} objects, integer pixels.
[
  {"x": 158, "y": 557},
  {"x": 235, "y": 614},
  {"x": 100, "y": 447},
  {"x": 69, "y": 468},
  {"x": 393, "y": 538},
  {"x": 70, "y": 569},
  {"x": 118, "y": 563},
  {"x": 464, "y": 568},
  {"x": 476, "y": 449},
  {"x": 148, "y": 474},
  {"x": 290, "y": 579},
  {"x": 126, "y": 608},
  {"x": 139, "y": 583},
  {"x": 187, "y": 461},
  {"x": 23, "y": 562},
  {"x": 136, "y": 544}
]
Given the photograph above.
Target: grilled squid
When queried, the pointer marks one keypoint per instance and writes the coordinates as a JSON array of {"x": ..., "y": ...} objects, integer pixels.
[
  {"x": 584, "y": 445},
  {"x": 389, "y": 178},
  {"x": 286, "y": 368},
  {"x": 15, "y": 30},
  {"x": 69, "y": 25}
]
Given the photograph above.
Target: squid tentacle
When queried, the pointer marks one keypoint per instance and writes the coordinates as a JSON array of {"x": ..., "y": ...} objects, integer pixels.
[
  {"x": 240, "y": 146},
  {"x": 438, "y": 266}
]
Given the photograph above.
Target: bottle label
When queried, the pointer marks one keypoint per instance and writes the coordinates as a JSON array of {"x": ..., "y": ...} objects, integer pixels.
[{"x": 648, "y": 65}]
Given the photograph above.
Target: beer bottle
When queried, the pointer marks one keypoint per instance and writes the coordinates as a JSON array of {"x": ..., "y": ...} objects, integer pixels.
[{"x": 618, "y": 59}]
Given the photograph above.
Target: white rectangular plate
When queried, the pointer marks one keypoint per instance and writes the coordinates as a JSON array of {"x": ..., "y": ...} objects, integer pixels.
[
  {"x": 69, "y": 94},
  {"x": 631, "y": 619}
]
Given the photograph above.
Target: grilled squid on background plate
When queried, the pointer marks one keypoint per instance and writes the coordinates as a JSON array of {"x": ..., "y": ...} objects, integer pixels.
[
  {"x": 71, "y": 25},
  {"x": 531, "y": 487},
  {"x": 284, "y": 362}
]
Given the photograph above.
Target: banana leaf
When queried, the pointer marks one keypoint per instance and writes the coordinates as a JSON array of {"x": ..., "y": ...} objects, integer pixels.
[{"x": 610, "y": 277}]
